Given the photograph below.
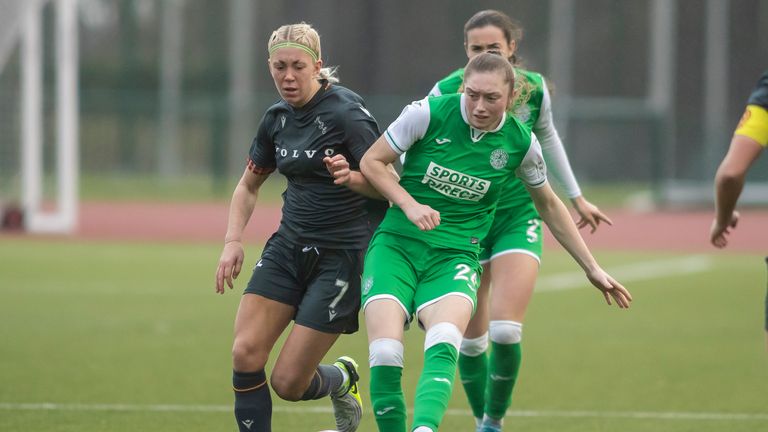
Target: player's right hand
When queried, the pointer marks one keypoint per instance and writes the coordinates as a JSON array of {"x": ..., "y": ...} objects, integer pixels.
[
  {"x": 423, "y": 216},
  {"x": 610, "y": 288},
  {"x": 230, "y": 264},
  {"x": 338, "y": 167}
]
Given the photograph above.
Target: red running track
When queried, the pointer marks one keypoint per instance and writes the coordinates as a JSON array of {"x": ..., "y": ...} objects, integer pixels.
[{"x": 207, "y": 222}]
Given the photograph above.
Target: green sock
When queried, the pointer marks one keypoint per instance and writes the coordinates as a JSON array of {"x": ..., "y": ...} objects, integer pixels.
[
  {"x": 387, "y": 398},
  {"x": 435, "y": 385},
  {"x": 474, "y": 372},
  {"x": 503, "y": 368}
]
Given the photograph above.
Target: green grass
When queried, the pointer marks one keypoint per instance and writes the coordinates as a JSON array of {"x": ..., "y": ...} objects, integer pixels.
[{"x": 140, "y": 326}]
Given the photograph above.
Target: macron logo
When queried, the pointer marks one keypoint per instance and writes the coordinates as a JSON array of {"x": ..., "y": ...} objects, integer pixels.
[
  {"x": 247, "y": 423},
  {"x": 442, "y": 140}
]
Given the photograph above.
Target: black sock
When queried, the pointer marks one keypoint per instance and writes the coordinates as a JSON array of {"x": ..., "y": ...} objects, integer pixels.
[
  {"x": 253, "y": 404},
  {"x": 327, "y": 379}
]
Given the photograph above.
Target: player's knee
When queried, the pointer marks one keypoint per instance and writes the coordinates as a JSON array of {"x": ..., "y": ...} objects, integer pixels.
[
  {"x": 475, "y": 346},
  {"x": 385, "y": 352},
  {"x": 247, "y": 355},
  {"x": 443, "y": 332},
  {"x": 287, "y": 386},
  {"x": 505, "y": 332}
]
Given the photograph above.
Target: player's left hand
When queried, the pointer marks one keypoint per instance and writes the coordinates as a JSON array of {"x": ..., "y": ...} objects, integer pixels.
[
  {"x": 338, "y": 166},
  {"x": 717, "y": 233},
  {"x": 610, "y": 288},
  {"x": 589, "y": 214}
]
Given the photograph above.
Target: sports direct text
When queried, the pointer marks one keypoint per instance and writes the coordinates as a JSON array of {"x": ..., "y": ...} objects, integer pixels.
[{"x": 454, "y": 183}]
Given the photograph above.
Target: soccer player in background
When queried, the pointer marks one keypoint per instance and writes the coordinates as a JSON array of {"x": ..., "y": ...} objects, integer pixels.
[
  {"x": 462, "y": 151},
  {"x": 748, "y": 142},
  {"x": 512, "y": 250},
  {"x": 310, "y": 269}
]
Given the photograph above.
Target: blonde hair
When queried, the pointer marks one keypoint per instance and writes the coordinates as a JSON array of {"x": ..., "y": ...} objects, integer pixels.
[
  {"x": 524, "y": 89},
  {"x": 304, "y": 37}
]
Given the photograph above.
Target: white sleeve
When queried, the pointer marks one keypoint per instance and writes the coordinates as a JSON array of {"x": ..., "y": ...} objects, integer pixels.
[
  {"x": 552, "y": 146},
  {"x": 435, "y": 91},
  {"x": 409, "y": 127},
  {"x": 532, "y": 170}
]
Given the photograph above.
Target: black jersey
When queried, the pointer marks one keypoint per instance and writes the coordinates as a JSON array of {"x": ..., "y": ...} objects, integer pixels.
[
  {"x": 295, "y": 140},
  {"x": 759, "y": 95}
]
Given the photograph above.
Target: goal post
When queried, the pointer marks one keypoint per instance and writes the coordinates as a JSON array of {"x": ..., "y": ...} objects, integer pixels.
[{"x": 38, "y": 218}]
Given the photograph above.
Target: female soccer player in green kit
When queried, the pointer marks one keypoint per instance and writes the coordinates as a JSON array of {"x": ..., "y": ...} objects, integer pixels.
[
  {"x": 463, "y": 149},
  {"x": 512, "y": 250}
]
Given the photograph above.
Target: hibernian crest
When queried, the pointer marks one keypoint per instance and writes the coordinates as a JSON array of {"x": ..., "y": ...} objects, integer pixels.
[
  {"x": 367, "y": 284},
  {"x": 499, "y": 159}
]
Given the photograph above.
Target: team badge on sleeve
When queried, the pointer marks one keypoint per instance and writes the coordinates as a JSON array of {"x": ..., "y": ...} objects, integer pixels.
[{"x": 523, "y": 113}]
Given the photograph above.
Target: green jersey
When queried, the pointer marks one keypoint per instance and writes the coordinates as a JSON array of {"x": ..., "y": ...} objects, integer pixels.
[
  {"x": 535, "y": 111},
  {"x": 458, "y": 170}
]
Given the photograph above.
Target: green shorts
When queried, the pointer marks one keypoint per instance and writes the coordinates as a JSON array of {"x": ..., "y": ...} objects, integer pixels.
[
  {"x": 514, "y": 230},
  {"x": 415, "y": 274}
]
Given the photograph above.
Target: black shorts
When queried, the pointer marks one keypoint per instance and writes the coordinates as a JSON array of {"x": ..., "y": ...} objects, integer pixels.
[{"x": 322, "y": 284}]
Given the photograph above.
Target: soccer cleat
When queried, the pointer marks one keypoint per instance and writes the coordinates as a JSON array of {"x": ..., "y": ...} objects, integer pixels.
[
  {"x": 347, "y": 404},
  {"x": 489, "y": 426}
]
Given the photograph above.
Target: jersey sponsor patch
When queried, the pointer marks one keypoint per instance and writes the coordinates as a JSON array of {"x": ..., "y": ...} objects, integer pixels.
[{"x": 454, "y": 183}]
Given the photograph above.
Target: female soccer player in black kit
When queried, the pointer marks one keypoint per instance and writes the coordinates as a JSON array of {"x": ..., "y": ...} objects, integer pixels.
[{"x": 310, "y": 269}]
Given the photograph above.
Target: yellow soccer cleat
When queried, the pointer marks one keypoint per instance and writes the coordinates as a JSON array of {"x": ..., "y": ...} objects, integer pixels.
[{"x": 347, "y": 404}]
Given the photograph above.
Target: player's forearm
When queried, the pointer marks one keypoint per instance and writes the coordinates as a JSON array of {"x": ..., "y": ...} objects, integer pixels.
[
  {"x": 380, "y": 176},
  {"x": 727, "y": 191},
  {"x": 556, "y": 216},
  {"x": 360, "y": 184},
  {"x": 240, "y": 211}
]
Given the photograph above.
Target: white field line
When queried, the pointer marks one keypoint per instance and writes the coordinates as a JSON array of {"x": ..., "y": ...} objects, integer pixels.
[
  {"x": 628, "y": 273},
  {"x": 303, "y": 409}
]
